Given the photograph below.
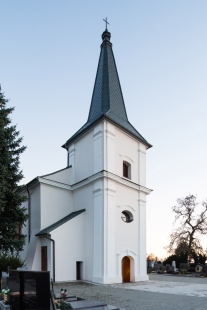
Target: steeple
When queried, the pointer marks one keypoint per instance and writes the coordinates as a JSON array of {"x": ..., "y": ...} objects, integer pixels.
[{"x": 107, "y": 98}]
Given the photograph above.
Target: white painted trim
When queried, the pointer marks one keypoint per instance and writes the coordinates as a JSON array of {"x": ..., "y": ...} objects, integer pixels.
[
  {"x": 98, "y": 132},
  {"x": 141, "y": 200},
  {"x": 54, "y": 183},
  {"x": 110, "y": 190},
  {"x": 143, "y": 152},
  {"x": 71, "y": 151},
  {"x": 127, "y": 251},
  {"x": 127, "y": 157},
  {"x": 97, "y": 190},
  {"x": 128, "y": 206},
  {"x": 110, "y": 132},
  {"x": 97, "y": 176}
]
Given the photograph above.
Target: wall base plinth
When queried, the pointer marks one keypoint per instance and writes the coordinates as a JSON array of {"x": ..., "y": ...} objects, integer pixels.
[{"x": 141, "y": 278}]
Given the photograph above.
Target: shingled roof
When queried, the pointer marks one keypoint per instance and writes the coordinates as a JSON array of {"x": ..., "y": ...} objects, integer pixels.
[{"x": 107, "y": 99}]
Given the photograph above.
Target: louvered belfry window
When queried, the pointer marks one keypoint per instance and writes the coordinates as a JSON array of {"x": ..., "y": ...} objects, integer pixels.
[
  {"x": 125, "y": 170},
  {"x": 44, "y": 258}
]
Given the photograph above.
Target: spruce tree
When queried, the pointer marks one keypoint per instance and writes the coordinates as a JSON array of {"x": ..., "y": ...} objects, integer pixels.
[{"x": 12, "y": 215}]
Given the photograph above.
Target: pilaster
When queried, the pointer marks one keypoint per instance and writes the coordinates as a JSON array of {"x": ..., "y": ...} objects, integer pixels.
[
  {"x": 109, "y": 143},
  {"x": 98, "y": 147},
  {"x": 141, "y": 164},
  {"x": 98, "y": 231},
  {"x": 71, "y": 155},
  {"x": 141, "y": 274},
  {"x": 109, "y": 227}
]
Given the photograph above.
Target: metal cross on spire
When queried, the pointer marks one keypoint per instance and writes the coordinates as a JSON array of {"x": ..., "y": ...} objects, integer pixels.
[{"x": 106, "y": 22}]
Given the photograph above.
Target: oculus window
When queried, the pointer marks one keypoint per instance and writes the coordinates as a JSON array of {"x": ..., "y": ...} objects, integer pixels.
[{"x": 127, "y": 216}]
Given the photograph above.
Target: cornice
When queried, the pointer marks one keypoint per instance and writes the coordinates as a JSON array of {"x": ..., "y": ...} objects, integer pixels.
[
  {"x": 89, "y": 126},
  {"x": 93, "y": 178}
]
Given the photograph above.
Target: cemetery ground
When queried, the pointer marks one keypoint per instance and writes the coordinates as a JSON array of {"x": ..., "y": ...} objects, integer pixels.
[{"x": 163, "y": 292}]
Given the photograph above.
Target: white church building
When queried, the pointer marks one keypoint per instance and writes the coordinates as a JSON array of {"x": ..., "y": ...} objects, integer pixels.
[{"x": 88, "y": 220}]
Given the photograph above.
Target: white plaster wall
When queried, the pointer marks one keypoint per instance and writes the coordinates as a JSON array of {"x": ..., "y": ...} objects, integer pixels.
[
  {"x": 109, "y": 147},
  {"x": 110, "y": 188},
  {"x": 126, "y": 150},
  {"x": 98, "y": 233},
  {"x": 126, "y": 233},
  {"x": 30, "y": 249},
  {"x": 33, "y": 255},
  {"x": 119, "y": 147},
  {"x": 83, "y": 199},
  {"x": 142, "y": 164},
  {"x": 35, "y": 214},
  {"x": 62, "y": 176},
  {"x": 69, "y": 248},
  {"x": 98, "y": 138},
  {"x": 142, "y": 239},
  {"x": 131, "y": 237},
  {"x": 81, "y": 157},
  {"x": 55, "y": 204}
]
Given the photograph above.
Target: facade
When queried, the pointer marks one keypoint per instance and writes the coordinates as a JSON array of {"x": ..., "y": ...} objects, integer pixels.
[{"x": 88, "y": 221}]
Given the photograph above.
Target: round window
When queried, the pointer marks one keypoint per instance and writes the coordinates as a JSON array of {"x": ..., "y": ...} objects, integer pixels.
[{"x": 127, "y": 216}]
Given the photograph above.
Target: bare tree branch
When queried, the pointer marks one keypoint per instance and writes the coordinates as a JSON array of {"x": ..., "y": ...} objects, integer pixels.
[{"x": 191, "y": 225}]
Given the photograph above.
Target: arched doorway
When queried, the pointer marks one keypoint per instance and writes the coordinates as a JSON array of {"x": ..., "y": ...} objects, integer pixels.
[{"x": 126, "y": 269}]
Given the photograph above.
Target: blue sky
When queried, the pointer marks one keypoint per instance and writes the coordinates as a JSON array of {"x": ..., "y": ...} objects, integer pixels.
[{"x": 48, "y": 59}]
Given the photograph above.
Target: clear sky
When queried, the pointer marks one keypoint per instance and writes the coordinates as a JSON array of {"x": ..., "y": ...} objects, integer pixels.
[{"x": 49, "y": 53}]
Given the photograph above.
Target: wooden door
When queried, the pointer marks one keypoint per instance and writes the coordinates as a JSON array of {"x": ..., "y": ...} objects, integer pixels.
[
  {"x": 44, "y": 258},
  {"x": 126, "y": 269}
]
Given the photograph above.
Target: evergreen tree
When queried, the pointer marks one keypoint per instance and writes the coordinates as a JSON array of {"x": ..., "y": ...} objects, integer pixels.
[{"x": 12, "y": 215}]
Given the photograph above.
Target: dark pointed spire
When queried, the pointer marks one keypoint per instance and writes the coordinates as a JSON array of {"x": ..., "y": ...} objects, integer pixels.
[
  {"x": 107, "y": 94},
  {"x": 107, "y": 99}
]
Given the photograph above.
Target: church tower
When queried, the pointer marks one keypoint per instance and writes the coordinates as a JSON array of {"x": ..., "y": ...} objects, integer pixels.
[
  {"x": 110, "y": 154},
  {"x": 88, "y": 221}
]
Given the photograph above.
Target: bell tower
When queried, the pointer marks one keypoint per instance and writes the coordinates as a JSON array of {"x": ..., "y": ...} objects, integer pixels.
[{"x": 110, "y": 154}]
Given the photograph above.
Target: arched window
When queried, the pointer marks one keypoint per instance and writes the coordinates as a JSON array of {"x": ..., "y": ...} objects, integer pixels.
[{"x": 126, "y": 170}]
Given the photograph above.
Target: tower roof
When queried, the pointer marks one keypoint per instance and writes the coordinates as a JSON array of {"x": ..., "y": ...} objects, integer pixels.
[{"x": 107, "y": 99}]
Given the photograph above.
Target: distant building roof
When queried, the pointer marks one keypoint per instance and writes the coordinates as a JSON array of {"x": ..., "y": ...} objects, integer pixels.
[
  {"x": 107, "y": 99},
  {"x": 65, "y": 219}
]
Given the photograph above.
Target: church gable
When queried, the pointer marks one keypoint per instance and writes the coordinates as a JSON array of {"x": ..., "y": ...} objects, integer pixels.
[{"x": 63, "y": 176}]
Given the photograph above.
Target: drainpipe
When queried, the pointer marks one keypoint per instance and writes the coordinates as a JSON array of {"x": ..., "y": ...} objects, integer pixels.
[
  {"x": 29, "y": 212},
  {"x": 53, "y": 254}
]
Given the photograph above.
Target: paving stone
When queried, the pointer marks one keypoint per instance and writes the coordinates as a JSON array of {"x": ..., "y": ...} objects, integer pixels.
[{"x": 125, "y": 298}]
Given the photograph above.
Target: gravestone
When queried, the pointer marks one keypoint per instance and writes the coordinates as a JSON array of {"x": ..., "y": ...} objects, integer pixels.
[
  {"x": 4, "y": 280},
  {"x": 198, "y": 269},
  {"x": 29, "y": 289},
  {"x": 171, "y": 269},
  {"x": 183, "y": 266},
  {"x": 158, "y": 266}
]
